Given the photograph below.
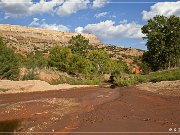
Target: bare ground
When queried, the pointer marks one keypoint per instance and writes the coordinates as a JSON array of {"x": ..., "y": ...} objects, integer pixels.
[{"x": 92, "y": 109}]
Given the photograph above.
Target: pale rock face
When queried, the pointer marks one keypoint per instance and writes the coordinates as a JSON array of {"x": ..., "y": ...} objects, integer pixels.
[{"x": 27, "y": 39}]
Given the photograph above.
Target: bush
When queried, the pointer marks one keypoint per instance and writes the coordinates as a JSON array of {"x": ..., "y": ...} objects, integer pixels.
[
  {"x": 169, "y": 75},
  {"x": 60, "y": 58},
  {"x": 9, "y": 62},
  {"x": 102, "y": 62},
  {"x": 124, "y": 80},
  {"x": 79, "y": 45},
  {"x": 145, "y": 68},
  {"x": 131, "y": 79},
  {"x": 31, "y": 76},
  {"x": 35, "y": 60},
  {"x": 79, "y": 64}
]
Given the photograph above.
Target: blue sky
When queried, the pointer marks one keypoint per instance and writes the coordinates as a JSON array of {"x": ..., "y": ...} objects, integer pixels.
[{"x": 116, "y": 22}]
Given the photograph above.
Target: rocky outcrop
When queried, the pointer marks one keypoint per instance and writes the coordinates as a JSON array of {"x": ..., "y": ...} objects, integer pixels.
[{"x": 27, "y": 39}]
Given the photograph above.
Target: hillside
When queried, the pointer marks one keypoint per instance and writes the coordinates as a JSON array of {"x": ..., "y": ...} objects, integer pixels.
[{"x": 27, "y": 39}]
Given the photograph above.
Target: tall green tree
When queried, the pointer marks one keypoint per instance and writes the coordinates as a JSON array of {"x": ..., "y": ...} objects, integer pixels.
[{"x": 163, "y": 42}]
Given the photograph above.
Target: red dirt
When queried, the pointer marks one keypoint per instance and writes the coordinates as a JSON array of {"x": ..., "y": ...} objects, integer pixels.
[{"x": 99, "y": 110}]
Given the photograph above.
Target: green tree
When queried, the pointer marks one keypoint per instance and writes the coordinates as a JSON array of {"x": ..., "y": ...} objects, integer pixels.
[
  {"x": 79, "y": 64},
  {"x": 9, "y": 62},
  {"x": 79, "y": 45},
  {"x": 60, "y": 57},
  {"x": 163, "y": 42},
  {"x": 101, "y": 61}
]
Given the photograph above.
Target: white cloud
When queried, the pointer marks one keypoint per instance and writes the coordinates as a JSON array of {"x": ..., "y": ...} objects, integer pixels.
[
  {"x": 55, "y": 27},
  {"x": 79, "y": 30},
  {"x": 45, "y": 6},
  {"x": 162, "y": 8},
  {"x": 71, "y": 6},
  {"x": 113, "y": 16},
  {"x": 108, "y": 30},
  {"x": 99, "y": 3},
  {"x": 123, "y": 21},
  {"x": 41, "y": 24},
  {"x": 15, "y": 8},
  {"x": 34, "y": 22},
  {"x": 103, "y": 14},
  {"x": 18, "y": 8}
]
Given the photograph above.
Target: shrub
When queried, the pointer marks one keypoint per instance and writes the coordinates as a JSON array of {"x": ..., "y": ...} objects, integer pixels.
[
  {"x": 75, "y": 81},
  {"x": 124, "y": 80},
  {"x": 169, "y": 75},
  {"x": 131, "y": 79},
  {"x": 60, "y": 58},
  {"x": 31, "y": 76},
  {"x": 35, "y": 60},
  {"x": 101, "y": 61},
  {"x": 79, "y": 64},
  {"x": 79, "y": 45},
  {"x": 9, "y": 62}
]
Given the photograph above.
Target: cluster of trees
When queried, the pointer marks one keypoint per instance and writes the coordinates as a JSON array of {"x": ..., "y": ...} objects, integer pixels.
[
  {"x": 163, "y": 43},
  {"x": 79, "y": 57}
]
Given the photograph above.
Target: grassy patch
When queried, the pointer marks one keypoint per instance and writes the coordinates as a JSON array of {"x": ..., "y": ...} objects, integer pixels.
[
  {"x": 169, "y": 75},
  {"x": 127, "y": 80},
  {"x": 31, "y": 76}
]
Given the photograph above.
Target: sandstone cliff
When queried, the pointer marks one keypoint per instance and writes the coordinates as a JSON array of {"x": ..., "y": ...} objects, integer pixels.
[{"x": 27, "y": 39}]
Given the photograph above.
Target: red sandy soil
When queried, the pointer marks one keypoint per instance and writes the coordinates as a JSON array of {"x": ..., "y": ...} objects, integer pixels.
[{"x": 91, "y": 110}]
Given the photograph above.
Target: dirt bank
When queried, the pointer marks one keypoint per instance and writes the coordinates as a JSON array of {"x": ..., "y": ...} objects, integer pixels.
[
  {"x": 169, "y": 88},
  {"x": 7, "y": 86}
]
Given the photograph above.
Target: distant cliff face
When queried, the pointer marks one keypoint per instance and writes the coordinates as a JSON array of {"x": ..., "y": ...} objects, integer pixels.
[{"x": 27, "y": 39}]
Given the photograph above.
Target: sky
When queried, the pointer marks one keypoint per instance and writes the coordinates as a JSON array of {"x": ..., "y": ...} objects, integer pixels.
[{"x": 116, "y": 22}]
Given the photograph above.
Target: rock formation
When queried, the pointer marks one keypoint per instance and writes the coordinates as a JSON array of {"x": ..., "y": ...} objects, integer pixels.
[{"x": 27, "y": 39}]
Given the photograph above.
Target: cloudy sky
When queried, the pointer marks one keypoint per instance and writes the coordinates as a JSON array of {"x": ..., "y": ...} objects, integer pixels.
[{"x": 116, "y": 22}]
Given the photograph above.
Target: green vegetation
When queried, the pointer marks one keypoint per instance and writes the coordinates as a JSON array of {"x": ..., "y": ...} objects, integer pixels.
[
  {"x": 30, "y": 75},
  {"x": 87, "y": 65},
  {"x": 163, "y": 43},
  {"x": 81, "y": 60},
  {"x": 60, "y": 57},
  {"x": 9, "y": 62},
  {"x": 76, "y": 81},
  {"x": 35, "y": 60},
  {"x": 163, "y": 39},
  {"x": 131, "y": 79},
  {"x": 79, "y": 45}
]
